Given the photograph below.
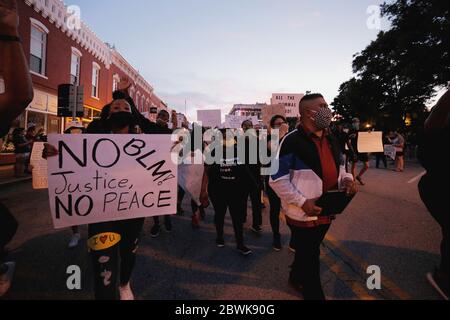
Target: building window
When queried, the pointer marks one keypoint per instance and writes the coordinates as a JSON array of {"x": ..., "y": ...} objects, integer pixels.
[
  {"x": 138, "y": 101},
  {"x": 75, "y": 66},
  {"x": 116, "y": 81},
  {"x": 38, "y": 44},
  {"x": 95, "y": 78}
]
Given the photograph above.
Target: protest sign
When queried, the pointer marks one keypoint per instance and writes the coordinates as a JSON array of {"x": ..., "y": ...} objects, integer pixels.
[
  {"x": 190, "y": 175},
  {"x": 235, "y": 122},
  {"x": 99, "y": 178},
  {"x": 370, "y": 142},
  {"x": 210, "y": 118},
  {"x": 39, "y": 165},
  {"x": 390, "y": 151},
  {"x": 272, "y": 110}
]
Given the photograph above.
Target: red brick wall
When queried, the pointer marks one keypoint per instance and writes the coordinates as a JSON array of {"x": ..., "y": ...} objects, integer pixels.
[
  {"x": 58, "y": 56},
  {"x": 58, "y": 60}
]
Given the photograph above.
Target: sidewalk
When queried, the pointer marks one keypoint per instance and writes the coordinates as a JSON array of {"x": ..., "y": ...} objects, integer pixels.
[{"x": 7, "y": 176}]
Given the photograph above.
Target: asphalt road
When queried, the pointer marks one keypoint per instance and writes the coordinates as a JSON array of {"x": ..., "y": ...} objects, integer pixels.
[{"x": 386, "y": 225}]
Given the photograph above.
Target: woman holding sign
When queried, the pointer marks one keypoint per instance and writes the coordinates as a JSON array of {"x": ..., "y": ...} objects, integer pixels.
[{"x": 112, "y": 245}]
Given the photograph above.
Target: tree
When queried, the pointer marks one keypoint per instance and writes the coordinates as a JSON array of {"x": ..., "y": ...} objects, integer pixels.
[{"x": 399, "y": 72}]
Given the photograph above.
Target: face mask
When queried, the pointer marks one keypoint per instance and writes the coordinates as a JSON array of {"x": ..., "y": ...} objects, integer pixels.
[
  {"x": 121, "y": 119},
  {"x": 323, "y": 118},
  {"x": 356, "y": 126}
]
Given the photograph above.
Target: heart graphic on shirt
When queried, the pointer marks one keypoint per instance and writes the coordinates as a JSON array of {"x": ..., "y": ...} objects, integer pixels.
[{"x": 103, "y": 239}]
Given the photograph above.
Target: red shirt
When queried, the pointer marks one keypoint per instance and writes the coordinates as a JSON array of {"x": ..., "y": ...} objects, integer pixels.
[{"x": 330, "y": 173}]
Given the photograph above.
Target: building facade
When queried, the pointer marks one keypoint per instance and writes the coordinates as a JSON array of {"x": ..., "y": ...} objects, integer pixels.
[
  {"x": 59, "y": 53},
  {"x": 290, "y": 100}
]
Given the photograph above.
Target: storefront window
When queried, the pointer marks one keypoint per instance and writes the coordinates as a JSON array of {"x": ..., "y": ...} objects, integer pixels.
[
  {"x": 38, "y": 119},
  {"x": 87, "y": 113},
  {"x": 96, "y": 114},
  {"x": 53, "y": 124}
]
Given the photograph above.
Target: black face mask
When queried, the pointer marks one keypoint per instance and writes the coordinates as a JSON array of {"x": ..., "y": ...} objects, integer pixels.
[{"x": 121, "y": 120}]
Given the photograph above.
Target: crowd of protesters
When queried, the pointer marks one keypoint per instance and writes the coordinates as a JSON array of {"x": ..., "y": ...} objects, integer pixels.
[{"x": 313, "y": 159}]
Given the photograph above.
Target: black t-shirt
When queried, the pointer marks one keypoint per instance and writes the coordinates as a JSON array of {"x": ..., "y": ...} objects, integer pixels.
[
  {"x": 230, "y": 174},
  {"x": 19, "y": 139},
  {"x": 343, "y": 139}
]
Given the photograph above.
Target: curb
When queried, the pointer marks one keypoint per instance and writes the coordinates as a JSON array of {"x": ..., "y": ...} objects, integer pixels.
[{"x": 9, "y": 183}]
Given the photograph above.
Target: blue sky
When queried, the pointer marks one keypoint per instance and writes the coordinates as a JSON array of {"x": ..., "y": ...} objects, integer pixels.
[{"x": 215, "y": 53}]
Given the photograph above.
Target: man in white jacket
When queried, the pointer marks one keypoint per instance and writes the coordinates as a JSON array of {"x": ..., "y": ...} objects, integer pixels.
[{"x": 310, "y": 164}]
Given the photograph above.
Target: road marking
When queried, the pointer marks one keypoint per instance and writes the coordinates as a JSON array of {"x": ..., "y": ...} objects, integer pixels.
[
  {"x": 354, "y": 259},
  {"x": 417, "y": 178},
  {"x": 358, "y": 290}
]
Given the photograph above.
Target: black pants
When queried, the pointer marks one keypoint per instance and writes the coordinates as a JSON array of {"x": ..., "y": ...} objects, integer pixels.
[
  {"x": 255, "y": 198},
  {"x": 166, "y": 220},
  {"x": 181, "y": 194},
  {"x": 117, "y": 261},
  {"x": 234, "y": 201},
  {"x": 435, "y": 199},
  {"x": 306, "y": 267},
  {"x": 275, "y": 208},
  {"x": 8, "y": 228},
  {"x": 381, "y": 157}
]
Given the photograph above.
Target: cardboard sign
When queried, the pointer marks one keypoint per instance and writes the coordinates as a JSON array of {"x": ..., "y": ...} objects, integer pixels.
[
  {"x": 210, "y": 118},
  {"x": 99, "y": 178},
  {"x": 272, "y": 110},
  {"x": 235, "y": 122},
  {"x": 39, "y": 165},
  {"x": 390, "y": 151},
  {"x": 370, "y": 142}
]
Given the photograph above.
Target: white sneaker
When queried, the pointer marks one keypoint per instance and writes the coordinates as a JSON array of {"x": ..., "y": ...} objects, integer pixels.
[
  {"x": 125, "y": 293},
  {"x": 74, "y": 240},
  {"x": 6, "y": 279}
]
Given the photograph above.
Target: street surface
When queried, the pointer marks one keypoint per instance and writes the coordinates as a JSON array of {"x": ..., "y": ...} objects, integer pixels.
[{"x": 387, "y": 225}]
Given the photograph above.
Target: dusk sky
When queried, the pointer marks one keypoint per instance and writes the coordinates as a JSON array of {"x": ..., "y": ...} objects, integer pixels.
[{"x": 216, "y": 53}]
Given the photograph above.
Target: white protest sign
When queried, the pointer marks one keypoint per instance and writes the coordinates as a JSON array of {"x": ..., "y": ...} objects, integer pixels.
[
  {"x": 99, "y": 178},
  {"x": 370, "y": 142},
  {"x": 390, "y": 151},
  {"x": 210, "y": 118},
  {"x": 39, "y": 165},
  {"x": 190, "y": 176},
  {"x": 235, "y": 122}
]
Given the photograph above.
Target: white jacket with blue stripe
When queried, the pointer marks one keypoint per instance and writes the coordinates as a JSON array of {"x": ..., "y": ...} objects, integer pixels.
[{"x": 299, "y": 176}]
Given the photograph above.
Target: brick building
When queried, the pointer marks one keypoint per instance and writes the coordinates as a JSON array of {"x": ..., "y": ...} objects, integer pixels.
[{"x": 58, "y": 54}]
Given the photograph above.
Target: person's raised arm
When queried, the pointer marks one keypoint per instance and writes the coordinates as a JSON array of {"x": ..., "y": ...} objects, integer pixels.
[
  {"x": 438, "y": 118},
  {"x": 123, "y": 93},
  {"x": 13, "y": 67}
]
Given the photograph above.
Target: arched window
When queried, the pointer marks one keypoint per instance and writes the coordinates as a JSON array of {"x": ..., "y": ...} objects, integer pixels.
[
  {"x": 38, "y": 47},
  {"x": 75, "y": 66},
  {"x": 116, "y": 81},
  {"x": 95, "y": 79}
]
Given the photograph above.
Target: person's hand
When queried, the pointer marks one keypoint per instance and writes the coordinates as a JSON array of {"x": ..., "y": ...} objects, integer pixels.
[
  {"x": 9, "y": 19},
  {"x": 204, "y": 199},
  {"x": 124, "y": 84},
  {"x": 349, "y": 186},
  {"x": 311, "y": 209},
  {"x": 49, "y": 151}
]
